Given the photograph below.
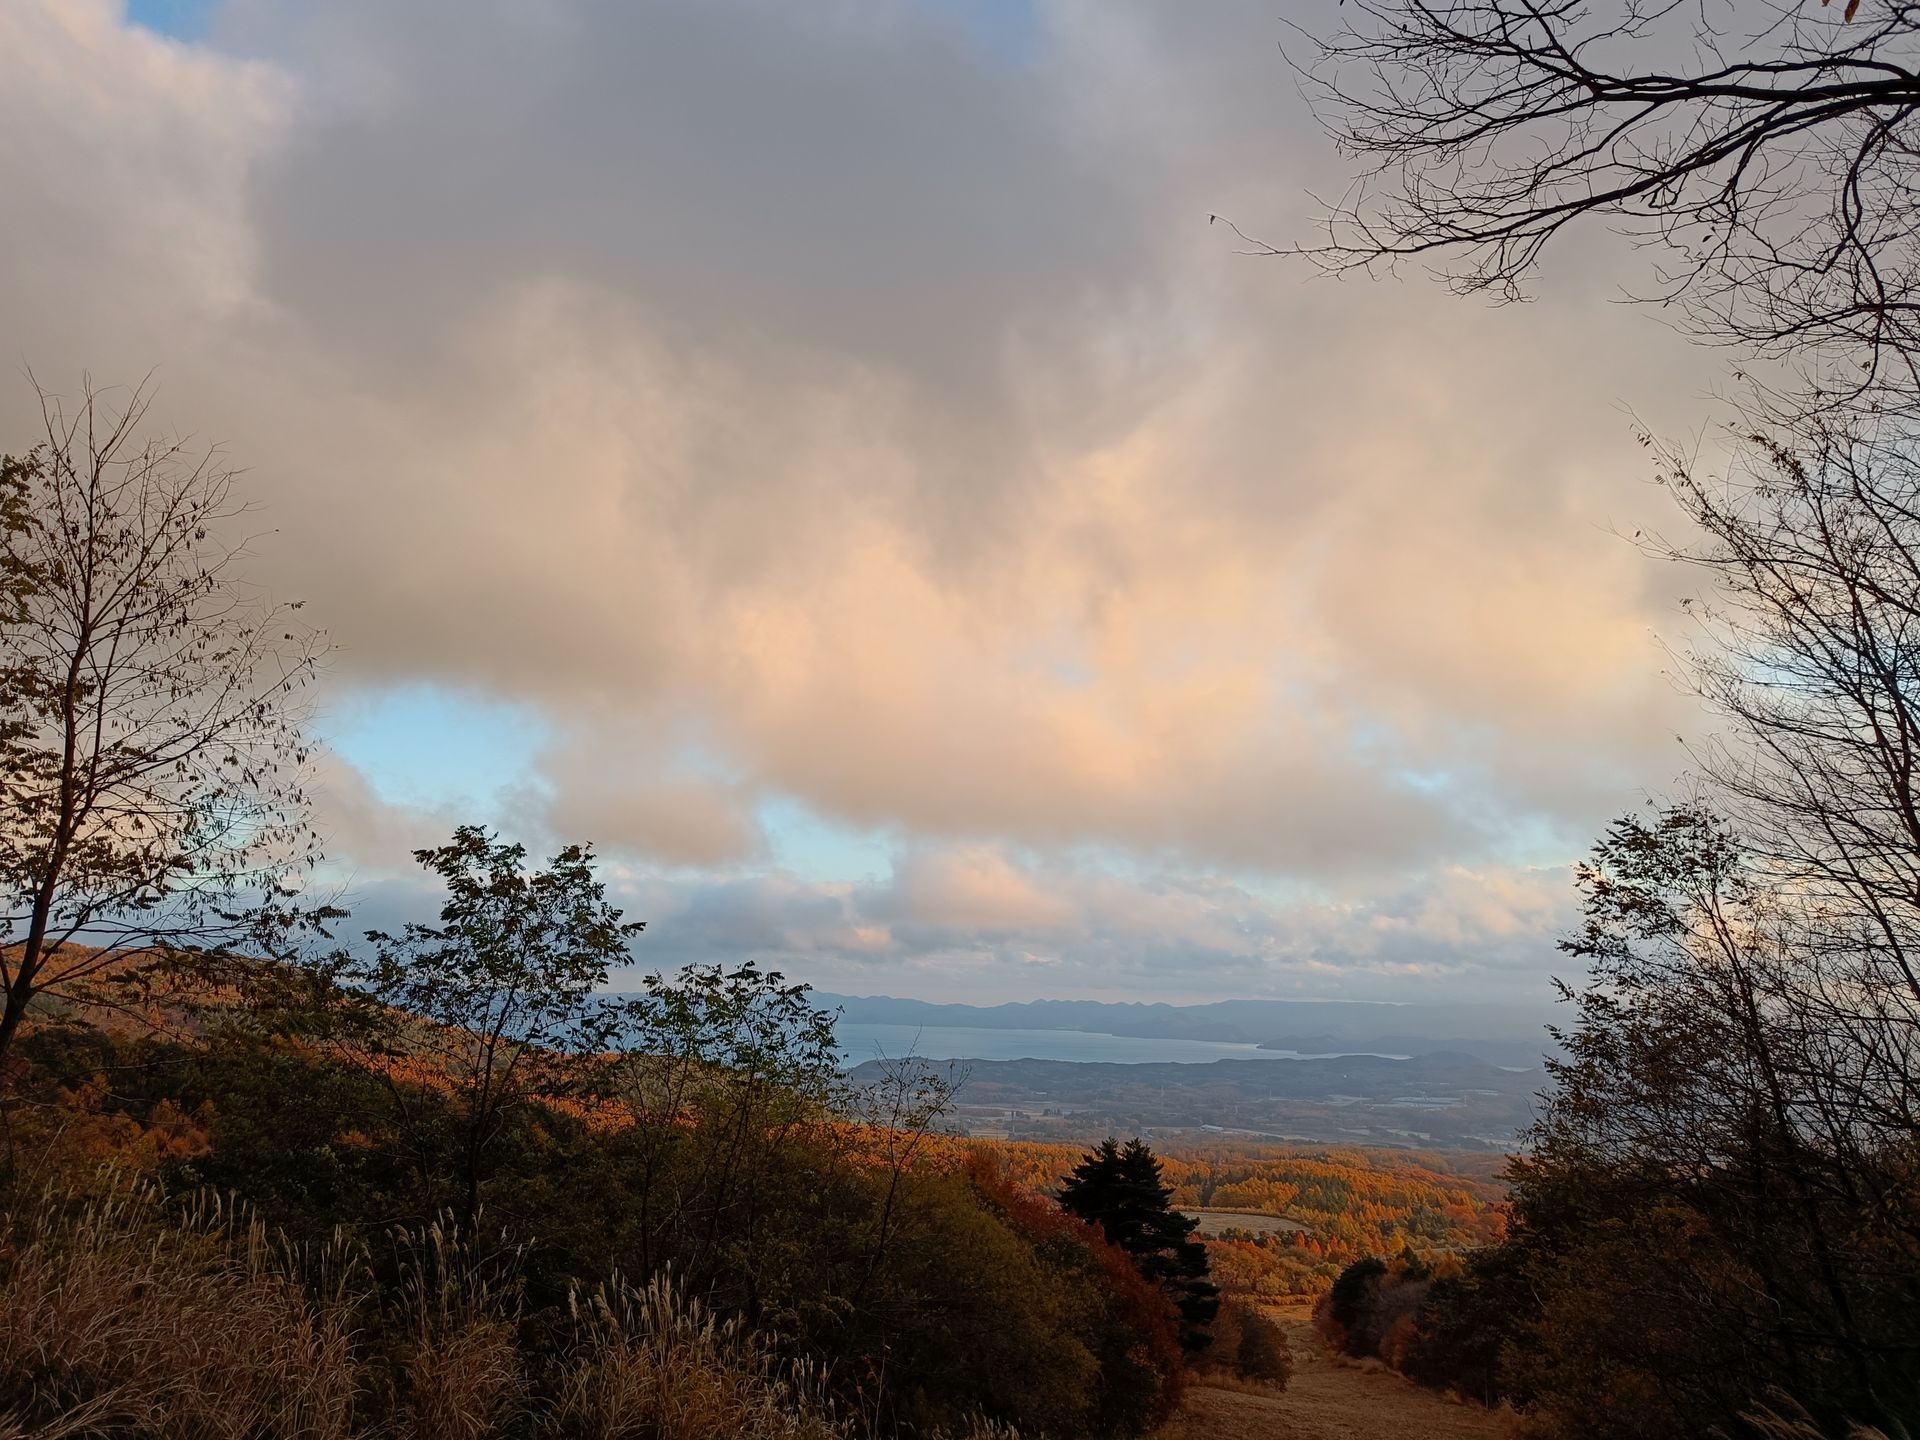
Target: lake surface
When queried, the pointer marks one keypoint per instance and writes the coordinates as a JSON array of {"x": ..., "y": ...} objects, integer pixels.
[{"x": 859, "y": 1043}]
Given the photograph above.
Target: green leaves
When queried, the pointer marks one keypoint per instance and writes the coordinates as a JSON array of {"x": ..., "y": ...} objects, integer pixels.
[
  {"x": 742, "y": 1020},
  {"x": 498, "y": 999}
]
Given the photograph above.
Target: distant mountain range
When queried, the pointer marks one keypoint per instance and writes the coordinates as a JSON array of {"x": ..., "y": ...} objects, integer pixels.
[{"x": 1499, "y": 1034}]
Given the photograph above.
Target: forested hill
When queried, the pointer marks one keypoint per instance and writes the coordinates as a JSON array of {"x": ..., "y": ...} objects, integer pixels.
[{"x": 1282, "y": 1222}]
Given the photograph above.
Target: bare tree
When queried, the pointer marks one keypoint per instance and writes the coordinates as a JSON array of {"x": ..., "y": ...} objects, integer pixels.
[
  {"x": 1748, "y": 1041},
  {"x": 151, "y": 755},
  {"x": 1810, "y": 648},
  {"x": 1771, "y": 149}
]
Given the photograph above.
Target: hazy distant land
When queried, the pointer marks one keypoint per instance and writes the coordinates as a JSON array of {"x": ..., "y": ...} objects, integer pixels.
[
  {"x": 1427, "y": 1076},
  {"x": 1512, "y": 1035}
]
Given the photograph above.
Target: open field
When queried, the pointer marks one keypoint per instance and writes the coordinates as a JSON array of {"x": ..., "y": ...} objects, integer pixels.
[{"x": 1219, "y": 1222}]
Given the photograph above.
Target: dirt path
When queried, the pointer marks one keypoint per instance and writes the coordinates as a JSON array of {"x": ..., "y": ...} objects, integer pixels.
[{"x": 1331, "y": 1399}]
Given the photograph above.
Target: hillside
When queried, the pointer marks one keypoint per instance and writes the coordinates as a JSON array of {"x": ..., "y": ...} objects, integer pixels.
[
  {"x": 1330, "y": 1398},
  {"x": 1329, "y": 1207}
]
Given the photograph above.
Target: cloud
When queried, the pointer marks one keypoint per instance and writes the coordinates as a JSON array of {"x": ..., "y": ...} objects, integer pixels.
[
  {"x": 972, "y": 890},
  {"x": 965, "y": 923},
  {"x": 620, "y": 788},
  {"x": 834, "y": 406},
  {"x": 358, "y": 826}
]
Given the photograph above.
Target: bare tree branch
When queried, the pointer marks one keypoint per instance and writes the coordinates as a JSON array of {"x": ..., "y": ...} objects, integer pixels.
[{"x": 1774, "y": 168}]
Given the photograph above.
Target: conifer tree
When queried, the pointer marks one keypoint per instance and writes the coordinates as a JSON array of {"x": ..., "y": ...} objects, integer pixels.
[{"x": 1120, "y": 1189}]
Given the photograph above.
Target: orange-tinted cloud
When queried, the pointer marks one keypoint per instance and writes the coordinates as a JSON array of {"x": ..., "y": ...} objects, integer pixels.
[{"x": 835, "y": 406}]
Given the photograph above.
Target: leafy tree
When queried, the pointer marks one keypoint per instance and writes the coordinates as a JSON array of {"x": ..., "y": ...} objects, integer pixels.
[
  {"x": 719, "y": 1067},
  {"x": 1728, "y": 1139},
  {"x": 496, "y": 1000},
  {"x": 1121, "y": 1190},
  {"x": 152, "y": 765},
  {"x": 1342, "y": 1310},
  {"x": 1468, "y": 1321},
  {"x": 1374, "y": 1305},
  {"x": 1263, "y": 1353}
]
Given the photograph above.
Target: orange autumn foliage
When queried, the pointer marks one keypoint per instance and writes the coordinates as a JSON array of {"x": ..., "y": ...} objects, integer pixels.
[{"x": 1352, "y": 1203}]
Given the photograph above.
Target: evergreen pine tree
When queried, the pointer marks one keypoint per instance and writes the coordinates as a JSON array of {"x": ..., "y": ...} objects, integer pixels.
[{"x": 1121, "y": 1190}]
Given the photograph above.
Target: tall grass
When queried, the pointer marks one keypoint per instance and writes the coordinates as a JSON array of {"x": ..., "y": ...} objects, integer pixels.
[
  {"x": 1786, "y": 1419},
  {"x": 124, "y": 1315},
  {"x": 457, "y": 1305},
  {"x": 653, "y": 1363},
  {"x": 115, "y": 1320}
]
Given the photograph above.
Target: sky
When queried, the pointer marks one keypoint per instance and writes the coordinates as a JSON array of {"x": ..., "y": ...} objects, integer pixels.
[{"x": 823, "y": 456}]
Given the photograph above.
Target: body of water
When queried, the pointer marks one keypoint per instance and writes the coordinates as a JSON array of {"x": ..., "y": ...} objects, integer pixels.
[{"x": 963, "y": 1042}]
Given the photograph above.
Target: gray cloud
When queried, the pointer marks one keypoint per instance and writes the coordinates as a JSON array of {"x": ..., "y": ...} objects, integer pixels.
[
  {"x": 974, "y": 922},
  {"x": 852, "y": 179},
  {"x": 826, "y": 403}
]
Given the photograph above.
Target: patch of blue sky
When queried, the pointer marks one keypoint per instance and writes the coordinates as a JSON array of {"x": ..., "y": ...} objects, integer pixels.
[
  {"x": 178, "y": 19},
  {"x": 1376, "y": 740},
  {"x": 1279, "y": 891},
  {"x": 434, "y": 746},
  {"x": 1522, "y": 838},
  {"x": 818, "y": 850},
  {"x": 1427, "y": 782},
  {"x": 1010, "y": 29}
]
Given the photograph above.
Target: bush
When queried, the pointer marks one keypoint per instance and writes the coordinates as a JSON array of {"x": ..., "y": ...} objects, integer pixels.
[
  {"x": 1373, "y": 1309},
  {"x": 1125, "y": 1322},
  {"x": 1263, "y": 1352},
  {"x": 921, "y": 1295},
  {"x": 1249, "y": 1343},
  {"x": 916, "y": 1293}
]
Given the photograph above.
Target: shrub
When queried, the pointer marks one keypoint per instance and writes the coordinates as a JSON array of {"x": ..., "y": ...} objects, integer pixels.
[
  {"x": 1263, "y": 1352},
  {"x": 1373, "y": 1308},
  {"x": 1248, "y": 1344},
  {"x": 922, "y": 1298},
  {"x": 1127, "y": 1323},
  {"x": 137, "y": 1319}
]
